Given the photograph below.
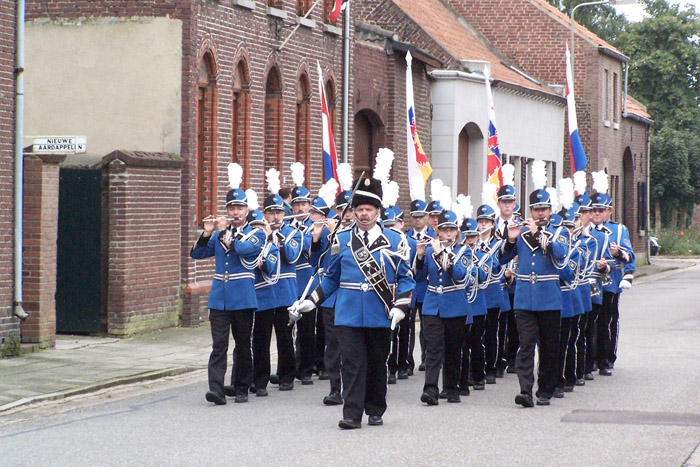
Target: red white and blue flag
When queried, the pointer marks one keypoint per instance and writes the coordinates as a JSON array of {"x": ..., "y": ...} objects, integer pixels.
[
  {"x": 330, "y": 159},
  {"x": 578, "y": 155},
  {"x": 419, "y": 168},
  {"x": 493, "y": 153},
  {"x": 337, "y": 8}
]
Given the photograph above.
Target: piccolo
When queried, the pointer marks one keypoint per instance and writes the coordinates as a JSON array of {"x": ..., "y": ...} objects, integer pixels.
[{"x": 295, "y": 216}]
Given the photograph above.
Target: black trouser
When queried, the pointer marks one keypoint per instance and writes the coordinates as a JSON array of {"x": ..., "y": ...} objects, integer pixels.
[
  {"x": 262, "y": 333},
  {"x": 590, "y": 338},
  {"x": 320, "y": 348},
  {"x": 306, "y": 343},
  {"x": 491, "y": 340},
  {"x": 331, "y": 354},
  {"x": 421, "y": 334},
  {"x": 240, "y": 324},
  {"x": 605, "y": 344},
  {"x": 537, "y": 328},
  {"x": 477, "y": 349},
  {"x": 513, "y": 340},
  {"x": 444, "y": 338},
  {"x": 502, "y": 336},
  {"x": 363, "y": 371},
  {"x": 581, "y": 345},
  {"x": 570, "y": 365},
  {"x": 466, "y": 358},
  {"x": 398, "y": 359},
  {"x": 614, "y": 328},
  {"x": 564, "y": 336},
  {"x": 411, "y": 341}
]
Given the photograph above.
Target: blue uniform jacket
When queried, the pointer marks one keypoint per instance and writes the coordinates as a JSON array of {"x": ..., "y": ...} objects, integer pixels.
[
  {"x": 494, "y": 290},
  {"x": 289, "y": 240},
  {"x": 357, "y": 305},
  {"x": 266, "y": 274},
  {"x": 233, "y": 287},
  {"x": 600, "y": 241},
  {"x": 624, "y": 263},
  {"x": 568, "y": 276},
  {"x": 538, "y": 278},
  {"x": 326, "y": 260},
  {"x": 586, "y": 247},
  {"x": 303, "y": 267},
  {"x": 421, "y": 285},
  {"x": 479, "y": 305},
  {"x": 445, "y": 295}
]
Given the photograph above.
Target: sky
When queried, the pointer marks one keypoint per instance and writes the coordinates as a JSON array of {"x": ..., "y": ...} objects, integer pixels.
[{"x": 636, "y": 13}]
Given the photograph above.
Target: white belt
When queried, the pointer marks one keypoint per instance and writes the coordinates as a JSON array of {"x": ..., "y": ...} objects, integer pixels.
[
  {"x": 301, "y": 266},
  {"x": 534, "y": 278},
  {"x": 288, "y": 275},
  {"x": 225, "y": 277},
  {"x": 363, "y": 286},
  {"x": 440, "y": 289}
]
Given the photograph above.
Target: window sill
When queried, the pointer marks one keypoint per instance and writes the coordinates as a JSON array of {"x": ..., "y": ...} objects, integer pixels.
[
  {"x": 333, "y": 30},
  {"x": 306, "y": 22},
  {"x": 606, "y": 123},
  {"x": 249, "y": 4},
  {"x": 276, "y": 13},
  {"x": 616, "y": 126}
]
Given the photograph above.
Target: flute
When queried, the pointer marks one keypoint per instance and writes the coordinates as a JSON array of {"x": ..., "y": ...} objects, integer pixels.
[{"x": 295, "y": 216}]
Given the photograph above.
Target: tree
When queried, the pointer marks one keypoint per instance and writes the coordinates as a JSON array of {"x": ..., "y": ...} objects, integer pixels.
[{"x": 602, "y": 20}]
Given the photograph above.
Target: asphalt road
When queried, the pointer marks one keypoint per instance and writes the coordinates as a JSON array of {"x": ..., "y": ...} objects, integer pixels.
[{"x": 647, "y": 413}]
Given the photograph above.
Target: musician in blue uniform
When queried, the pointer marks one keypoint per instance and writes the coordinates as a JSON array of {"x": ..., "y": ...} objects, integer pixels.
[
  {"x": 446, "y": 264},
  {"x": 537, "y": 297},
  {"x": 420, "y": 232},
  {"x": 373, "y": 281},
  {"x": 588, "y": 287},
  {"x": 232, "y": 300}
]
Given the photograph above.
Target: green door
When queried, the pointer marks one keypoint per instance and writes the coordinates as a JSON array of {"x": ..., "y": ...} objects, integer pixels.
[{"x": 78, "y": 260}]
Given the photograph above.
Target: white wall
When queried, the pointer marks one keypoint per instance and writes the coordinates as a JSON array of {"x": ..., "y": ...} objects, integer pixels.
[{"x": 118, "y": 82}]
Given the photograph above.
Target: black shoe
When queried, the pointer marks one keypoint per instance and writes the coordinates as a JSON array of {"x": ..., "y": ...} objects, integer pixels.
[
  {"x": 262, "y": 392},
  {"x": 568, "y": 388},
  {"x": 348, "y": 424},
  {"x": 479, "y": 386},
  {"x": 274, "y": 379},
  {"x": 410, "y": 372},
  {"x": 524, "y": 399},
  {"x": 588, "y": 377},
  {"x": 403, "y": 374},
  {"x": 464, "y": 391},
  {"x": 470, "y": 382},
  {"x": 286, "y": 386},
  {"x": 453, "y": 397},
  {"x": 558, "y": 393},
  {"x": 580, "y": 382},
  {"x": 391, "y": 379},
  {"x": 230, "y": 391},
  {"x": 500, "y": 373},
  {"x": 215, "y": 397},
  {"x": 334, "y": 398},
  {"x": 241, "y": 398},
  {"x": 605, "y": 372},
  {"x": 490, "y": 379},
  {"x": 429, "y": 399},
  {"x": 543, "y": 400},
  {"x": 442, "y": 395},
  {"x": 510, "y": 369},
  {"x": 306, "y": 380},
  {"x": 323, "y": 375},
  {"x": 421, "y": 367},
  {"x": 251, "y": 389},
  {"x": 375, "y": 420}
]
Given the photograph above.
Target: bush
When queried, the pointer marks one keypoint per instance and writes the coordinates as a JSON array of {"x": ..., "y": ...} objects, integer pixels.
[{"x": 679, "y": 243}]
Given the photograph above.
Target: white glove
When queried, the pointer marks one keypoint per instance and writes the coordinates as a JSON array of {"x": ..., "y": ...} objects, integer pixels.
[
  {"x": 625, "y": 284},
  {"x": 300, "y": 306},
  {"x": 396, "y": 315}
]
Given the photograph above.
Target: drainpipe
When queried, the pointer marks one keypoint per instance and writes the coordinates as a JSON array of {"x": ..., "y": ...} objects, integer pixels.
[
  {"x": 19, "y": 161},
  {"x": 648, "y": 207},
  {"x": 346, "y": 77}
]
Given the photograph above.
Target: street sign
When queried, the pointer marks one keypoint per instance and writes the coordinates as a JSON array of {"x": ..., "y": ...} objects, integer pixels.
[{"x": 60, "y": 145}]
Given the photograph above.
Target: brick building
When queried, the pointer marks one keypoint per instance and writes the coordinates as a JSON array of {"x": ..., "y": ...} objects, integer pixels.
[{"x": 614, "y": 128}]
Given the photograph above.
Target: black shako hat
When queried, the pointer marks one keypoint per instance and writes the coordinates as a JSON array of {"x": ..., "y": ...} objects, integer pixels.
[{"x": 369, "y": 191}]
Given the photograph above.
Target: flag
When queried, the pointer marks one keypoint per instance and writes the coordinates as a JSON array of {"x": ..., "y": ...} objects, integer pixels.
[
  {"x": 330, "y": 159},
  {"x": 418, "y": 164},
  {"x": 578, "y": 155},
  {"x": 337, "y": 8},
  {"x": 493, "y": 153}
]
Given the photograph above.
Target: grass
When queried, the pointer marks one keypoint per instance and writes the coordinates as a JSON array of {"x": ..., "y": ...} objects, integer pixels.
[{"x": 679, "y": 243}]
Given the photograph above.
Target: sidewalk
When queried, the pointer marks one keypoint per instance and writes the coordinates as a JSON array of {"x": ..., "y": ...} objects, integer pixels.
[{"x": 81, "y": 364}]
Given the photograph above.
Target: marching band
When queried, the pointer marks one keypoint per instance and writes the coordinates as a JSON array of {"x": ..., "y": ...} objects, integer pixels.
[{"x": 343, "y": 285}]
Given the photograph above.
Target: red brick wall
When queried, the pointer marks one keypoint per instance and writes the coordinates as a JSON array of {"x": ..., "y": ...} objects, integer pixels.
[
  {"x": 40, "y": 234},
  {"x": 144, "y": 242},
  {"x": 9, "y": 325}
]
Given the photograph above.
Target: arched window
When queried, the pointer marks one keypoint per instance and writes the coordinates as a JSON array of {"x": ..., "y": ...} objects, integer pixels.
[
  {"x": 369, "y": 137},
  {"x": 627, "y": 199},
  {"x": 273, "y": 120},
  {"x": 332, "y": 108},
  {"x": 206, "y": 138},
  {"x": 240, "y": 119},
  {"x": 302, "y": 135}
]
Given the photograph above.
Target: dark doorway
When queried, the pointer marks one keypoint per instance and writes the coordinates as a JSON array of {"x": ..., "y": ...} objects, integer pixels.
[{"x": 78, "y": 258}]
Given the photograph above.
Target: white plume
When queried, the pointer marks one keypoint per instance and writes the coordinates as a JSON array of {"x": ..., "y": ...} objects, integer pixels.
[
  {"x": 539, "y": 174},
  {"x": 466, "y": 205},
  {"x": 488, "y": 194},
  {"x": 297, "y": 169},
  {"x": 566, "y": 193},
  {"x": 390, "y": 194},
  {"x": 459, "y": 206},
  {"x": 417, "y": 187},
  {"x": 508, "y": 173},
  {"x": 435, "y": 189},
  {"x": 273, "y": 181},
  {"x": 382, "y": 165},
  {"x": 345, "y": 176},
  {"x": 252, "y": 199},
  {"x": 553, "y": 198},
  {"x": 580, "y": 182},
  {"x": 235, "y": 175},
  {"x": 446, "y": 197},
  {"x": 328, "y": 191},
  {"x": 600, "y": 181}
]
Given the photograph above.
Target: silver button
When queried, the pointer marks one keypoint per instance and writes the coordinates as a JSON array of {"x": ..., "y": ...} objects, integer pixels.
[
  {"x": 439, "y": 289},
  {"x": 364, "y": 287}
]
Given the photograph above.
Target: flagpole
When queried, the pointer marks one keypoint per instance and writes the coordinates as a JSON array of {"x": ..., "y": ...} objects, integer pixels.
[
  {"x": 346, "y": 77},
  {"x": 308, "y": 12}
]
